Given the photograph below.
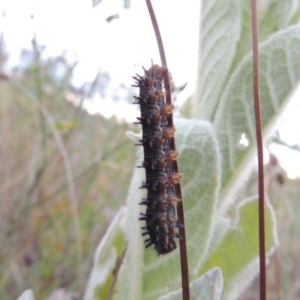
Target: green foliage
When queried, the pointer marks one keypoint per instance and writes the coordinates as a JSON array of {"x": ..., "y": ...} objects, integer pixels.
[
  {"x": 279, "y": 76},
  {"x": 214, "y": 163},
  {"x": 194, "y": 158},
  {"x": 239, "y": 248},
  {"x": 27, "y": 295},
  {"x": 207, "y": 287},
  {"x": 110, "y": 248},
  {"x": 63, "y": 171},
  {"x": 63, "y": 177}
]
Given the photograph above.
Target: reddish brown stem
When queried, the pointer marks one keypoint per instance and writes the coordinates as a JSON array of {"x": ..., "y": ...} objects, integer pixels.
[
  {"x": 259, "y": 140},
  {"x": 116, "y": 273},
  {"x": 180, "y": 209}
]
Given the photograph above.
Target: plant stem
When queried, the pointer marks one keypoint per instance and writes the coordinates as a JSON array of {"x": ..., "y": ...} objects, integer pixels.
[
  {"x": 180, "y": 209},
  {"x": 259, "y": 140},
  {"x": 116, "y": 273}
]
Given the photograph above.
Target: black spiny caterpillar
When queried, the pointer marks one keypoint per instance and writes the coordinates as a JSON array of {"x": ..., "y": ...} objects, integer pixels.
[{"x": 161, "y": 222}]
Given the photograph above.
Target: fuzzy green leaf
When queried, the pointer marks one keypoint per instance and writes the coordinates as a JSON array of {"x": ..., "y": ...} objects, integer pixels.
[
  {"x": 219, "y": 35},
  {"x": 199, "y": 164},
  {"x": 27, "y": 295},
  {"x": 273, "y": 15},
  {"x": 105, "y": 260},
  {"x": 208, "y": 287},
  {"x": 279, "y": 76},
  {"x": 237, "y": 255}
]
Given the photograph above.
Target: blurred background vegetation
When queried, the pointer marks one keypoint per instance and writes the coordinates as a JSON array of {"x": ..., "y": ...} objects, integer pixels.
[{"x": 64, "y": 175}]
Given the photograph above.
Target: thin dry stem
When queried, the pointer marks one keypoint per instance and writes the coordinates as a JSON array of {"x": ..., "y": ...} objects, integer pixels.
[
  {"x": 180, "y": 209},
  {"x": 116, "y": 273},
  {"x": 259, "y": 140}
]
